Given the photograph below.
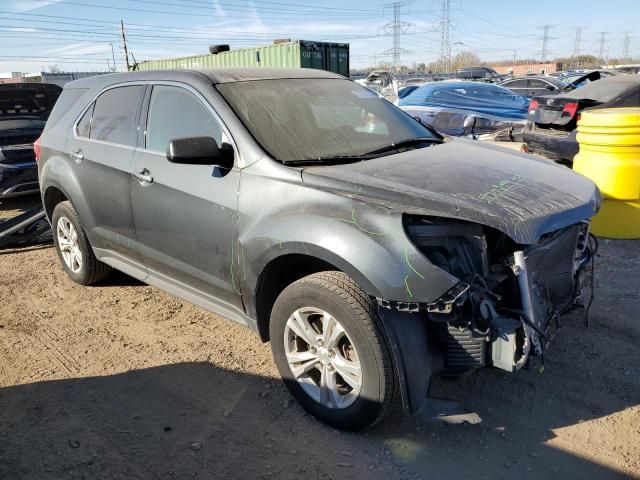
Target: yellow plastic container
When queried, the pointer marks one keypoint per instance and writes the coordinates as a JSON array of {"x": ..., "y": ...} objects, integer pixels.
[
  {"x": 617, "y": 219},
  {"x": 610, "y": 156}
]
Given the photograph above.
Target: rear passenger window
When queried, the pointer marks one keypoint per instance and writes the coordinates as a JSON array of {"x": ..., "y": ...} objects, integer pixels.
[
  {"x": 84, "y": 125},
  {"x": 516, "y": 84},
  {"x": 114, "y": 115},
  {"x": 176, "y": 113},
  {"x": 535, "y": 83}
]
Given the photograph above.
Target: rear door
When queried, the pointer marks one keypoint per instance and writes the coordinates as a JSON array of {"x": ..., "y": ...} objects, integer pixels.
[
  {"x": 539, "y": 87},
  {"x": 101, "y": 152},
  {"x": 185, "y": 215},
  {"x": 517, "y": 86}
]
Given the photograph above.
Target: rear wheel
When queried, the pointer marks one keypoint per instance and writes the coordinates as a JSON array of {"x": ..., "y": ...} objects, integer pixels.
[
  {"x": 73, "y": 247},
  {"x": 331, "y": 352}
]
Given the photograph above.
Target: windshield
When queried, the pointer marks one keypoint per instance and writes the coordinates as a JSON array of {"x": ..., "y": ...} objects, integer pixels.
[{"x": 311, "y": 119}]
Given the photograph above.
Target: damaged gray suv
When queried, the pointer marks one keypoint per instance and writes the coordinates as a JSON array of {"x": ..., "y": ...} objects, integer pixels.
[{"x": 372, "y": 252}]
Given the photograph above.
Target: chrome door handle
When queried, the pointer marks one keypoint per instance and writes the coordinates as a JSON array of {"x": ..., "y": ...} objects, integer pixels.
[
  {"x": 77, "y": 155},
  {"x": 144, "y": 176}
]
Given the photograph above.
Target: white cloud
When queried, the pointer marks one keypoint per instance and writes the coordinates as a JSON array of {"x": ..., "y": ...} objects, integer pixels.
[{"x": 19, "y": 6}]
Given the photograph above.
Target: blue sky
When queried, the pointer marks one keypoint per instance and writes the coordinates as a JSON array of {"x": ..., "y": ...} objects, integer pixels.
[{"x": 79, "y": 34}]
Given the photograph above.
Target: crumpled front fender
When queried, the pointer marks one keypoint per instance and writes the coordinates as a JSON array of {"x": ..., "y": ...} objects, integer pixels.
[{"x": 366, "y": 241}]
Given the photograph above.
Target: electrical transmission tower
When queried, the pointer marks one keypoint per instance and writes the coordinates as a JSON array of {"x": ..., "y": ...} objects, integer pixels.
[
  {"x": 603, "y": 41},
  {"x": 396, "y": 28},
  {"x": 576, "y": 45},
  {"x": 445, "y": 44},
  {"x": 545, "y": 41},
  {"x": 626, "y": 44}
]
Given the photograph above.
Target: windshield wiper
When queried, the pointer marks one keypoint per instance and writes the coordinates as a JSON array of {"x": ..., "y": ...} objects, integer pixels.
[
  {"x": 337, "y": 159},
  {"x": 329, "y": 160},
  {"x": 403, "y": 144}
]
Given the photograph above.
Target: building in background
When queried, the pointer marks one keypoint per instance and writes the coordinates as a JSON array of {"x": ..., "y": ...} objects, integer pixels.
[
  {"x": 529, "y": 68},
  {"x": 59, "y": 78},
  {"x": 11, "y": 77}
]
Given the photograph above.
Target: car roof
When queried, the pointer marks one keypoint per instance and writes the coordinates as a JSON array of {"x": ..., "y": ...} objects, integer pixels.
[{"x": 214, "y": 75}]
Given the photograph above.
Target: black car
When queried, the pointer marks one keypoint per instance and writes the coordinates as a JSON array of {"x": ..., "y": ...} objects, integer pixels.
[
  {"x": 552, "y": 121},
  {"x": 482, "y": 74},
  {"x": 24, "y": 110},
  {"x": 534, "y": 85}
]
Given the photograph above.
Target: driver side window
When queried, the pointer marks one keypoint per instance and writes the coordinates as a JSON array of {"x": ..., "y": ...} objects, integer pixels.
[{"x": 177, "y": 113}]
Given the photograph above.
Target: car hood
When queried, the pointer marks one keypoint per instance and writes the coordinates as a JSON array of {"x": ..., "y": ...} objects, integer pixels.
[{"x": 518, "y": 194}]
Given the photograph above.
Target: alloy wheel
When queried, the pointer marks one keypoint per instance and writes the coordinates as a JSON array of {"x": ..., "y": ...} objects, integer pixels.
[
  {"x": 322, "y": 357},
  {"x": 68, "y": 244}
]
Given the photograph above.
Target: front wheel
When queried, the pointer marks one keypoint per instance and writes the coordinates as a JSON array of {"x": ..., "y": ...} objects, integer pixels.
[{"x": 331, "y": 352}]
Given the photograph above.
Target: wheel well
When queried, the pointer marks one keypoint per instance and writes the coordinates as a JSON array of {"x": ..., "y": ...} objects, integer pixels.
[
  {"x": 52, "y": 197},
  {"x": 277, "y": 276}
]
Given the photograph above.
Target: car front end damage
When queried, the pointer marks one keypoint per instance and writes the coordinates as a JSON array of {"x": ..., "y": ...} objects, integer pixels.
[{"x": 510, "y": 297}]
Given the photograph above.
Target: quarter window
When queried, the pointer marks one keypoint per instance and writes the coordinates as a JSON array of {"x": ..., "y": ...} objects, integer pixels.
[
  {"x": 535, "y": 83},
  {"x": 176, "y": 113},
  {"x": 84, "y": 125},
  {"x": 114, "y": 115}
]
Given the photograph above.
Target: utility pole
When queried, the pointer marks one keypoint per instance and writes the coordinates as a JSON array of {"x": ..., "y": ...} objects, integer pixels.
[
  {"x": 445, "y": 46},
  {"x": 625, "y": 46},
  {"x": 113, "y": 56},
  {"x": 396, "y": 28},
  {"x": 124, "y": 42},
  {"x": 603, "y": 41},
  {"x": 545, "y": 41},
  {"x": 576, "y": 45}
]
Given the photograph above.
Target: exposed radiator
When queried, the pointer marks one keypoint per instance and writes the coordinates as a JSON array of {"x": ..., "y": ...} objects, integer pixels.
[{"x": 550, "y": 268}]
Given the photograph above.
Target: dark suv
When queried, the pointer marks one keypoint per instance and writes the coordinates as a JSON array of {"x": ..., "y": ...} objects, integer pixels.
[
  {"x": 371, "y": 251},
  {"x": 24, "y": 109}
]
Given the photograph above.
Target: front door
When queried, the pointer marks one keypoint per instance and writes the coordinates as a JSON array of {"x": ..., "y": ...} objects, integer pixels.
[{"x": 185, "y": 215}]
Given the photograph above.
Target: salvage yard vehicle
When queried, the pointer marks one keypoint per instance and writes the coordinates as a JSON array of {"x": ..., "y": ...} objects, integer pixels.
[
  {"x": 534, "y": 85},
  {"x": 24, "y": 109},
  {"x": 448, "y": 105},
  {"x": 551, "y": 127},
  {"x": 483, "y": 74},
  {"x": 371, "y": 259}
]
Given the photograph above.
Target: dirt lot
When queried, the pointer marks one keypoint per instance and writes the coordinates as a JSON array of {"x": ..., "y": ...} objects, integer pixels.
[{"x": 124, "y": 381}]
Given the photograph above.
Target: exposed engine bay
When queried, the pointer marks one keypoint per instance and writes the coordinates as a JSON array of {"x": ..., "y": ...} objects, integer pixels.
[{"x": 505, "y": 309}]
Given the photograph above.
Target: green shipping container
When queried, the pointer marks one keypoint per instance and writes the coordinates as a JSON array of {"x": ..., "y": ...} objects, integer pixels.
[{"x": 333, "y": 57}]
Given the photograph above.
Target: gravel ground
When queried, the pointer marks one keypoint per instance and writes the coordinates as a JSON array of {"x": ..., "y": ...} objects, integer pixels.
[{"x": 124, "y": 381}]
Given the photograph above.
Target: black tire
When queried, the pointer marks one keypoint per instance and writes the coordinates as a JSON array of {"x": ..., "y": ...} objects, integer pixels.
[
  {"x": 338, "y": 295},
  {"x": 92, "y": 270}
]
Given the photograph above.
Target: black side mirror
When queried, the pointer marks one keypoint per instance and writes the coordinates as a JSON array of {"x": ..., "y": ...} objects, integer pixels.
[
  {"x": 200, "y": 151},
  {"x": 551, "y": 88}
]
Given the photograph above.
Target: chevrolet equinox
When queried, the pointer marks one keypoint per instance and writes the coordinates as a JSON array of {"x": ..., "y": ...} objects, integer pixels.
[{"x": 371, "y": 251}]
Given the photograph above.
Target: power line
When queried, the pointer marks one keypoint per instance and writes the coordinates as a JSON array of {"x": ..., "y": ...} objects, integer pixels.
[{"x": 396, "y": 28}]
